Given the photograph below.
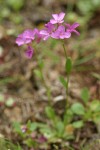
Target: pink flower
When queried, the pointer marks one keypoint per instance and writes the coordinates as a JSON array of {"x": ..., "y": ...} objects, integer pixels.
[
  {"x": 29, "y": 52},
  {"x": 50, "y": 27},
  {"x": 42, "y": 139},
  {"x": 38, "y": 37},
  {"x": 45, "y": 34},
  {"x": 24, "y": 129},
  {"x": 71, "y": 28},
  {"x": 60, "y": 33},
  {"x": 47, "y": 31},
  {"x": 57, "y": 18},
  {"x": 26, "y": 37}
]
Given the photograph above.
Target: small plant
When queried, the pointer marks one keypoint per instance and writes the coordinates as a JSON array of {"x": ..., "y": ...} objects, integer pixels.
[
  {"x": 8, "y": 145},
  {"x": 59, "y": 128},
  {"x": 56, "y": 29},
  {"x": 88, "y": 111}
]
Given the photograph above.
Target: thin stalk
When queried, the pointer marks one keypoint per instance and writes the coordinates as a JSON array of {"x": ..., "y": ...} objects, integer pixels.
[
  {"x": 65, "y": 50},
  {"x": 48, "y": 91},
  {"x": 67, "y": 91},
  {"x": 67, "y": 87}
]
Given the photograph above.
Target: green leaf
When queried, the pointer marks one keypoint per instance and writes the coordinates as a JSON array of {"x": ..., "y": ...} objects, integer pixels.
[
  {"x": 96, "y": 117},
  {"x": 85, "y": 95},
  {"x": 95, "y": 105},
  {"x": 50, "y": 112},
  {"x": 68, "y": 66},
  {"x": 17, "y": 127},
  {"x": 41, "y": 63},
  {"x": 60, "y": 128},
  {"x": 42, "y": 125},
  {"x": 33, "y": 126},
  {"x": 88, "y": 114},
  {"x": 48, "y": 132},
  {"x": 68, "y": 116},
  {"x": 18, "y": 147},
  {"x": 78, "y": 124},
  {"x": 29, "y": 123},
  {"x": 96, "y": 75},
  {"x": 78, "y": 109},
  {"x": 38, "y": 73},
  {"x": 63, "y": 81},
  {"x": 30, "y": 142}
]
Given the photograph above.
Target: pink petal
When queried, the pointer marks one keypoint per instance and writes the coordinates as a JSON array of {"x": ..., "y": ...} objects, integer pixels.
[
  {"x": 27, "y": 41},
  {"x": 61, "y": 28},
  {"x": 29, "y": 52},
  {"x": 42, "y": 139},
  {"x": 19, "y": 41},
  {"x": 76, "y": 32},
  {"x": 62, "y": 36},
  {"x": 54, "y": 35},
  {"x": 55, "y": 16},
  {"x": 61, "y": 15},
  {"x": 53, "y": 21},
  {"x": 61, "y": 21},
  {"x": 67, "y": 34},
  {"x": 49, "y": 26},
  {"x": 75, "y": 25},
  {"x": 29, "y": 34},
  {"x": 46, "y": 37},
  {"x": 35, "y": 31},
  {"x": 68, "y": 25},
  {"x": 44, "y": 32}
]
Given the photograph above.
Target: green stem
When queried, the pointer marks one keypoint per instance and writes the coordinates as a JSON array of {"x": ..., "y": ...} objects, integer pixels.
[
  {"x": 64, "y": 50},
  {"x": 48, "y": 91},
  {"x": 67, "y": 91}
]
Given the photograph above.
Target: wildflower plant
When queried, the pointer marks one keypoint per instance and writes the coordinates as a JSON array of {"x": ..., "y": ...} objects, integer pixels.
[{"x": 56, "y": 28}]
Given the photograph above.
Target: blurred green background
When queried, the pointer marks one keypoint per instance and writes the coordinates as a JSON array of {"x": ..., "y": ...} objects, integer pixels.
[{"x": 17, "y": 75}]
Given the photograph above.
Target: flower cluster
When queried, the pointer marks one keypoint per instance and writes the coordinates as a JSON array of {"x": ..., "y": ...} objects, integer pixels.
[
  {"x": 55, "y": 28},
  {"x": 27, "y": 37}
]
